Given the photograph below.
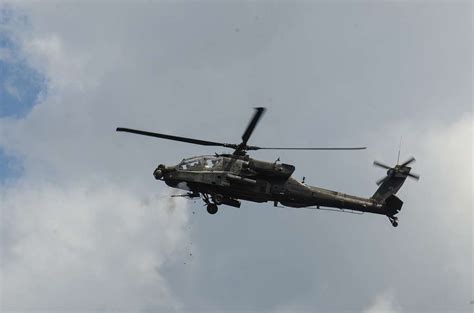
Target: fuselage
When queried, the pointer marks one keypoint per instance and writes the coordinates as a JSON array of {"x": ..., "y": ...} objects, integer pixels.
[
  {"x": 234, "y": 177},
  {"x": 228, "y": 178}
]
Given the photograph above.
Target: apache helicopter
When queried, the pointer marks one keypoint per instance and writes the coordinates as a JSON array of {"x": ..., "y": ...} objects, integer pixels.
[{"x": 224, "y": 179}]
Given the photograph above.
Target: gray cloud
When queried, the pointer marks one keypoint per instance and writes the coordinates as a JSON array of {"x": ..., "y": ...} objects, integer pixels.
[
  {"x": 330, "y": 74},
  {"x": 87, "y": 247},
  {"x": 383, "y": 302}
]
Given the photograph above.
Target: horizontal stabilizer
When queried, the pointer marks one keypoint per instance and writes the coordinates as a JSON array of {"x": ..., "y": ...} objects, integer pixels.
[{"x": 393, "y": 205}]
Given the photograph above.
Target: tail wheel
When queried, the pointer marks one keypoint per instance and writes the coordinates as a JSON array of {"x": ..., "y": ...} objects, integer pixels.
[
  {"x": 212, "y": 208},
  {"x": 394, "y": 221}
]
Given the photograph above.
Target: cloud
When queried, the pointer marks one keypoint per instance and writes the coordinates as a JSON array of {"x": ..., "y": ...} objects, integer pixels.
[
  {"x": 83, "y": 221},
  {"x": 87, "y": 247},
  {"x": 383, "y": 303},
  {"x": 76, "y": 233},
  {"x": 62, "y": 67}
]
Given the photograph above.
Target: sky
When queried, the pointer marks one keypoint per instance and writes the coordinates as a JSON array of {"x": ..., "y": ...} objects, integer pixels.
[
  {"x": 85, "y": 227},
  {"x": 20, "y": 86}
]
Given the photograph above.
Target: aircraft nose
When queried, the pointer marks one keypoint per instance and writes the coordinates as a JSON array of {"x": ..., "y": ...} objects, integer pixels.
[{"x": 159, "y": 171}]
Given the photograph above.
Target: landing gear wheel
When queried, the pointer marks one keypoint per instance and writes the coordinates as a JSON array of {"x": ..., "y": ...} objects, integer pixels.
[
  {"x": 394, "y": 221},
  {"x": 218, "y": 199},
  {"x": 211, "y": 208}
]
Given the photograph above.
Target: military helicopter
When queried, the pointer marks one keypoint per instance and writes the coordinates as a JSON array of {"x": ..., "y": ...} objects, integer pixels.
[{"x": 225, "y": 179}]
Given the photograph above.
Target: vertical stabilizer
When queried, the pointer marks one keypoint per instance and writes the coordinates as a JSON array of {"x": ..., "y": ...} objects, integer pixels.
[
  {"x": 389, "y": 187},
  {"x": 396, "y": 176}
]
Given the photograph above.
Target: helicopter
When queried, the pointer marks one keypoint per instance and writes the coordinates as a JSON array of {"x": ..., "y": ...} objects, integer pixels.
[{"x": 226, "y": 179}]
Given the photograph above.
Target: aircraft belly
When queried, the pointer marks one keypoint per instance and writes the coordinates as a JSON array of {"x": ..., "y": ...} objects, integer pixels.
[{"x": 227, "y": 184}]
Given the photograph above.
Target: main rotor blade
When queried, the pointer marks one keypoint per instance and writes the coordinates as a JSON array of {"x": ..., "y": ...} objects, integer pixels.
[
  {"x": 413, "y": 175},
  {"x": 377, "y": 163},
  {"x": 253, "y": 122},
  {"x": 175, "y": 138},
  {"x": 305, "y": 148},
  {"x": 410, "y": 160}
]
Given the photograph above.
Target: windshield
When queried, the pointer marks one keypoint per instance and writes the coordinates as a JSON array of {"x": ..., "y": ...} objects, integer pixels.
[
  {"x": 201, "y": 163},
  {"x": 190, "y": 164},
  {"x": 213, "y": 163}
]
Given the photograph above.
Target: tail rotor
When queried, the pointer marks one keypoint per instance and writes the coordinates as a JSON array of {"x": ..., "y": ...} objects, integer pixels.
[{"x": 399, "y": 170}]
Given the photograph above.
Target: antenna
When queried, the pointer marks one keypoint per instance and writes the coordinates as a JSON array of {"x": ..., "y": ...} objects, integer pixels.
[{"x": 399, "y": 148}]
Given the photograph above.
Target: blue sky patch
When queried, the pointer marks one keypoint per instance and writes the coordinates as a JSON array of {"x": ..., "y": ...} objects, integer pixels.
[
  {"x": 20, "y": 84},
  {"x": 10, "y": 167}
]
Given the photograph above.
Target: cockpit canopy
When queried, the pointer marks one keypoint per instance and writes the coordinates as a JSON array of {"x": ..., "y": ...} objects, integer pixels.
[{"x": 200, "y": 163}]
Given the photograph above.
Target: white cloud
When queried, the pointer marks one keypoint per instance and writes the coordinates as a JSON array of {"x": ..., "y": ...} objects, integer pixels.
[
  {"x": 86, "y": 203},
  {"x": 383, "y": 303},
  {"x": 78, "y": 232},
  {"x": 89, "y": 247},
  {"x": 64, "y": 68},
  {"x": 447, "y": 155}
]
